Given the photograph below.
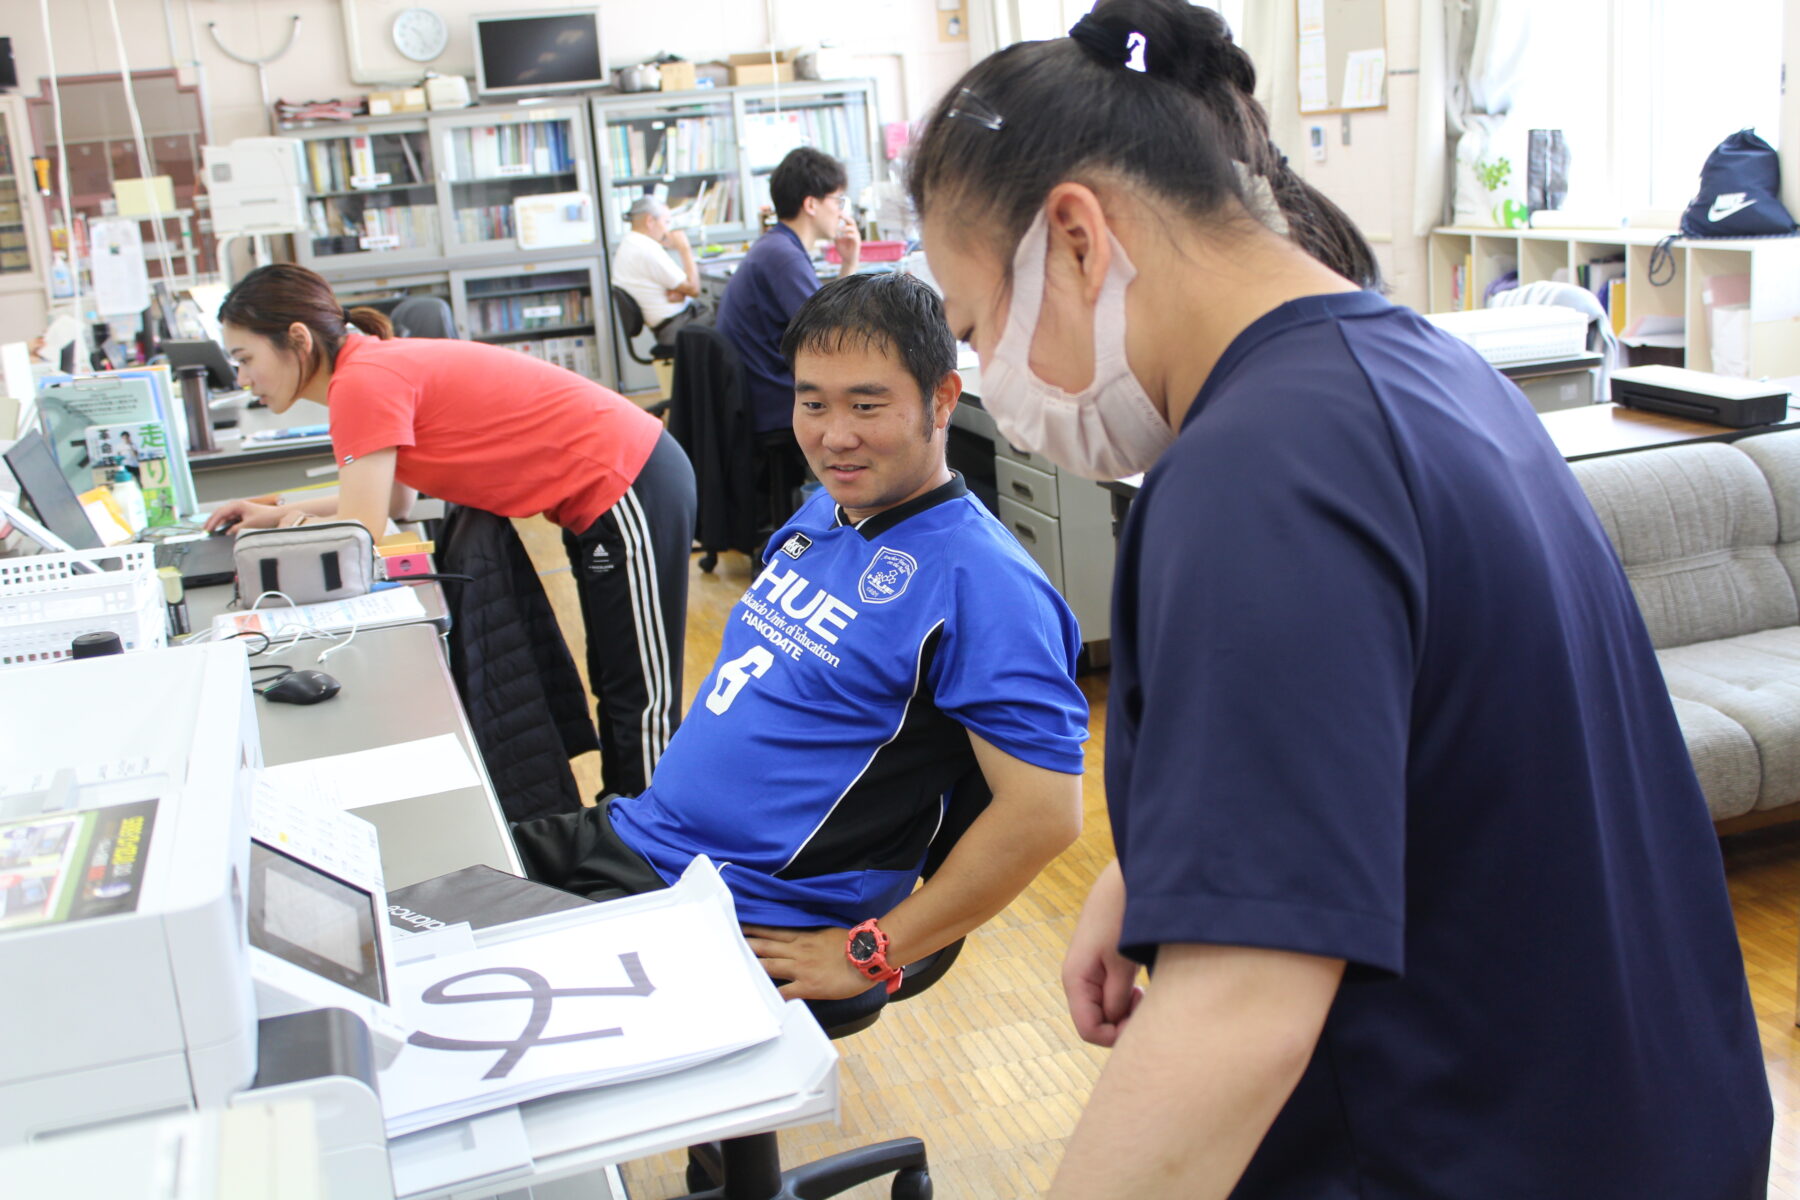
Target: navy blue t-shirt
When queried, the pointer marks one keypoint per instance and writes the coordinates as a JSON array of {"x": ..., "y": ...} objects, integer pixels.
[
  {"x": 1380, "y": 692},
  {"x": 765, "y": 292}
]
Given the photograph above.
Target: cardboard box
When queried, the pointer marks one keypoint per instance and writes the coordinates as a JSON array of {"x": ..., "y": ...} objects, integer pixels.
[
  {"x": 678, "y": 76},
  {"x": 756, "y": 68}
]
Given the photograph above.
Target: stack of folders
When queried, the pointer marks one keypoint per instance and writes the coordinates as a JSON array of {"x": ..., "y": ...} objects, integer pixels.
[{"x": 620, "y": 991}]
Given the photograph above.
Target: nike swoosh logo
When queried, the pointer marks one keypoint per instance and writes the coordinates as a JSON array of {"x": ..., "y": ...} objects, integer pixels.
[{"x": 1724, "y": 206}]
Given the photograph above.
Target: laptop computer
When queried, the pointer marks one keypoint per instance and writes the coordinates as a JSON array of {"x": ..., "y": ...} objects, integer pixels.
[
  {"x": 202, "y": 561},
  {"x": 48, "y": 492}
]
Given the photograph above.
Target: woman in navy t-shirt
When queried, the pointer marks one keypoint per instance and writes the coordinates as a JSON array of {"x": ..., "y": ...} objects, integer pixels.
[{"x": 1404, "y": 819}]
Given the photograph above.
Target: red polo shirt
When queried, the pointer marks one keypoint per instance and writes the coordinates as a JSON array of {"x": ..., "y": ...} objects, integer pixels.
[{"x": 489, "y": 428}]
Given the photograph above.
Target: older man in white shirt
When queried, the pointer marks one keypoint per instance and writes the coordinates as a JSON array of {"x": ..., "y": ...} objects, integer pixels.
[{"x": 664, "y": 290}]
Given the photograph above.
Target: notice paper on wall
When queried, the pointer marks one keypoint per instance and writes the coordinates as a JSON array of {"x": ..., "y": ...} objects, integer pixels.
[
  {"x": 1364, "y": 73},
  {"x": 558, "y": 219},
  {"x": 363, "y": 778}
]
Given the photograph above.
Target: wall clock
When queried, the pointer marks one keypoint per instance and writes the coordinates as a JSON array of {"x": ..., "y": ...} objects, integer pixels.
[{"x": 420, "y": 34}]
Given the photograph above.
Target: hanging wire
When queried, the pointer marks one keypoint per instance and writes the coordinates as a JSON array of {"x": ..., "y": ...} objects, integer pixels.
[
  {"x": 146, "y": 165},
  {"x": 62, "y": 176}
]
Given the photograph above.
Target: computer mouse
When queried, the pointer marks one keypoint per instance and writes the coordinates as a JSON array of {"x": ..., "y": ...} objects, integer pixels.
[{"x": 302, "y": 687}]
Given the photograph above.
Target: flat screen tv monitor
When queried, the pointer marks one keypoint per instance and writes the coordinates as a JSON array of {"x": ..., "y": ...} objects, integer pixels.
[{"x": 526, "y": 53}]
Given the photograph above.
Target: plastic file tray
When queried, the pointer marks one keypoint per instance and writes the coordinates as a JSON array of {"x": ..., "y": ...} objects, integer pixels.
[
  {"x": 47, "y": 600},
  {"x": 1525, "y": 333}
]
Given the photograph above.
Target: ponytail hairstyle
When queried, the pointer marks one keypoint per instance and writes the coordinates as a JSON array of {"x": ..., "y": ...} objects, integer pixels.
[
  {"x": 1150, "y": 92},
  {"x": 271, "y": 299}
]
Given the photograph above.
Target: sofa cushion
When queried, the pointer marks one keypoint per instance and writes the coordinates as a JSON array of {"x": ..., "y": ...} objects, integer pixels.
[
  {"x": 1724, "y": 757},
  {"x": 1754, "y": 681},
  {"x": 1778, "y": 454},
  {"x": 1695, "y": 527}
]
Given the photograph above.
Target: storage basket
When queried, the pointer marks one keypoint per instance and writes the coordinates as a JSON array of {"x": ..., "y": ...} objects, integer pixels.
[{"x": 47, "y": 600}]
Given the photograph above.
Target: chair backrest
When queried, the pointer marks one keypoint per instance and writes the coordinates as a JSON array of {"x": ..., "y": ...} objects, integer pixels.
[
  {"x": 631, "y": 317},
  {"x": 423, "y": 317},
  {"x": 1696, "y": 528}
]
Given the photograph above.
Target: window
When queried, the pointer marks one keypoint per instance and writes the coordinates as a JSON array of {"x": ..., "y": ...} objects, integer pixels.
[{"x": 1643, "y": 89}]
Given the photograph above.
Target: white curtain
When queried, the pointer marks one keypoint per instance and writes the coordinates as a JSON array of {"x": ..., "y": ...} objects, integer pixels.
[
  {"x": 1485, "y": 43},
  {"x": 1431, "y": 176},
  {"x": 1269, "y": 34}
]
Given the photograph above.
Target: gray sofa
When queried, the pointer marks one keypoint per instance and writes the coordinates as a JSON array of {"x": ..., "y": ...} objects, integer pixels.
[{"x": 1710, "y": 537}]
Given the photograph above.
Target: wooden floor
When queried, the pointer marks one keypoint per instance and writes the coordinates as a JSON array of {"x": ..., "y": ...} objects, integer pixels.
[{"x": 985, "y": 1066}]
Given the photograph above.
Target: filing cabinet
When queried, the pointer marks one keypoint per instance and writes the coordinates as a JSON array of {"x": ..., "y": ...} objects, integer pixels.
[{"x": 1063, "y": 521}]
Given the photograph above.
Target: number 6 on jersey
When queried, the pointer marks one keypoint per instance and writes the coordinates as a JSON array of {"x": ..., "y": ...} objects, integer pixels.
[{"x": 735, "y": 674}]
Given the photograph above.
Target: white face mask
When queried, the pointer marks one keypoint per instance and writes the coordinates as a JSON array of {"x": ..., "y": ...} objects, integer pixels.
[{"x": 1107, "y": 430}]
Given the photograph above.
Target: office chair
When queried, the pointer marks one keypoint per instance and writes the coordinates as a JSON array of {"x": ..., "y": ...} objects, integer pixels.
[
  {"x": 423, "y": 317},
  {"x": 631, "y": 324},
  {"x": 746, "y": 480},
  {"x": 749, "y": 1168}
]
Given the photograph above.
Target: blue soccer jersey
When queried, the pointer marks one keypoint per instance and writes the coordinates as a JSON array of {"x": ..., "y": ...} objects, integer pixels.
[{"x": 813, "y": 764}]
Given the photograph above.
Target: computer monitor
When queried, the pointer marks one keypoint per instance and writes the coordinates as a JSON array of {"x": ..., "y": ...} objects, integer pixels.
[
  {"x": 202, "y": 352},
  {"x": 526, "y": 53},
  {"x": 316, "y": 921},
  {"x": 47, "y": 490}
]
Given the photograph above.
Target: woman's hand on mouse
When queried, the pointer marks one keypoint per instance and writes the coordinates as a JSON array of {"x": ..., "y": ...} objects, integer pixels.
[{"x": 245, "y": 514}]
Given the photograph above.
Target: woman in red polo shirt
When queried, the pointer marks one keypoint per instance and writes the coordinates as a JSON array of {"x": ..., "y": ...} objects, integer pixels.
[{"x": 489, "y": 428}]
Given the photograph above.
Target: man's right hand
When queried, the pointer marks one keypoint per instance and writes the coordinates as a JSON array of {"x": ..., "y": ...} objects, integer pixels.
[
  {"x": 676, "y": 239},
  {"x": 244, "y": 514},
  {"x": 1100, "y": 983}
]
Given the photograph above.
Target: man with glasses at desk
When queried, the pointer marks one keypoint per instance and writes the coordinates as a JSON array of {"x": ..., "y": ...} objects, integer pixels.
[{"x": 778, "y": 276}]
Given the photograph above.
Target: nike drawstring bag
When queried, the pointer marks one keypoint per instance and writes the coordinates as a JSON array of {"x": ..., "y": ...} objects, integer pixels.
[{"x": 1740, "y": 192}]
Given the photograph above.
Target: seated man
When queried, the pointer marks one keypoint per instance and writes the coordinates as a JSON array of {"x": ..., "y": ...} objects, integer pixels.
[
  {"x": 897, "y": 637},
  {"x": 777, "y": 276},
  {"x": 666, "y": 294}
]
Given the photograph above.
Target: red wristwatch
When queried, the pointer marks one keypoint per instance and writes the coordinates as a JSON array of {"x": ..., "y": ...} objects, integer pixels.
[{"x": 866, "y": 948}]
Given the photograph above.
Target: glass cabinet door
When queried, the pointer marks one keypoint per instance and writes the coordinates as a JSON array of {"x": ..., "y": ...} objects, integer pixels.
[
  {"x": 830, "y": 119},
  {"x": 19, "y": 268},
  {"x": 546, "y": 311},
  {"x": 685, "y": 154},
  {"x": 371, "y": 192},
  {"x": 490, "y": 163}
]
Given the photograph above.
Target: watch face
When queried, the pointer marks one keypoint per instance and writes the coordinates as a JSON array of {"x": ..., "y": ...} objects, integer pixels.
[
  {"x": 862, "y": 946},
  {"x": 420, "y": 34}
]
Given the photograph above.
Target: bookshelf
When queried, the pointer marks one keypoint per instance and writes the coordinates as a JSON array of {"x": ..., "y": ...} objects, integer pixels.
[
  {"x": 24, "y": 249},
  {"x": 708, "y": 154},
  {"x": 546, "y": 309},
  {"x": 1757, "y": 278},
  {"x": 371, "y": 195},
  {"x": 490, "y": 159}
]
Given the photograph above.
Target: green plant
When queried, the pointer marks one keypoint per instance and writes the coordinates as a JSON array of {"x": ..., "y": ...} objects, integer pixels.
[{"x": 1493, "y": 175}]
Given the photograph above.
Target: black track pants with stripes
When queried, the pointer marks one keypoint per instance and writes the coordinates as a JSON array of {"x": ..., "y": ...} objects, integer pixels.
[{"x": 631, "y": 571}]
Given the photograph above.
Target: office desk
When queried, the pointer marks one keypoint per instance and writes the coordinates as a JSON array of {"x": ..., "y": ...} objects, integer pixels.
[{"x": 240, "y": 467}]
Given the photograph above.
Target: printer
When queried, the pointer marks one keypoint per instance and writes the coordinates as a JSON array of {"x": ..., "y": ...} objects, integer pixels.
[
  {"x": 124, "y": 853},
  {"x": 1700, "y": 396},
  {"x": 145, "y": 931}
]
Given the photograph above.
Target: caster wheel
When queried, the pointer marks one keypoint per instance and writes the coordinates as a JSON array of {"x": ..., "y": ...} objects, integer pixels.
[{"x": 912, "y": 1184}]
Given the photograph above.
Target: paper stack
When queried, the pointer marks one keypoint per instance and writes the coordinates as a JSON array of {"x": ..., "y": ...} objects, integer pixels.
[{"x": 642, "y": 987}]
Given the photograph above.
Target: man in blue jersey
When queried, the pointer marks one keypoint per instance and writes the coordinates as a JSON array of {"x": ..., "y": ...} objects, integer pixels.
[{"x": 897, "y": 638}]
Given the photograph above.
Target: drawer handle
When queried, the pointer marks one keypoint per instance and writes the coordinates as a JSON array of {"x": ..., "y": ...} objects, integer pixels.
[
  {"x": 1024, "y": 533},
  {"x": 1024, "y": 489}
]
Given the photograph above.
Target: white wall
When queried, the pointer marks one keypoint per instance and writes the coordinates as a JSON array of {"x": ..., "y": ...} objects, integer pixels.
[{"x": 894, "y": 41}]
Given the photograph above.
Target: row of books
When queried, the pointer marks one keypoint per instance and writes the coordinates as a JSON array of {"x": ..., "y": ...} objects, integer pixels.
[
  {"x": 540, "y": 310},
  {"x": 681, "y": 147},
  {"x": 829, "y": 129},
  {"x": 346, "y": 164},
  {"x": 412, "y": 225},
  {"x": 713, "y": 202},
  {"x": 577, "y": 353},
  {"x": 491, "y": 223},
  {"x": 500, "y": 151}
]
